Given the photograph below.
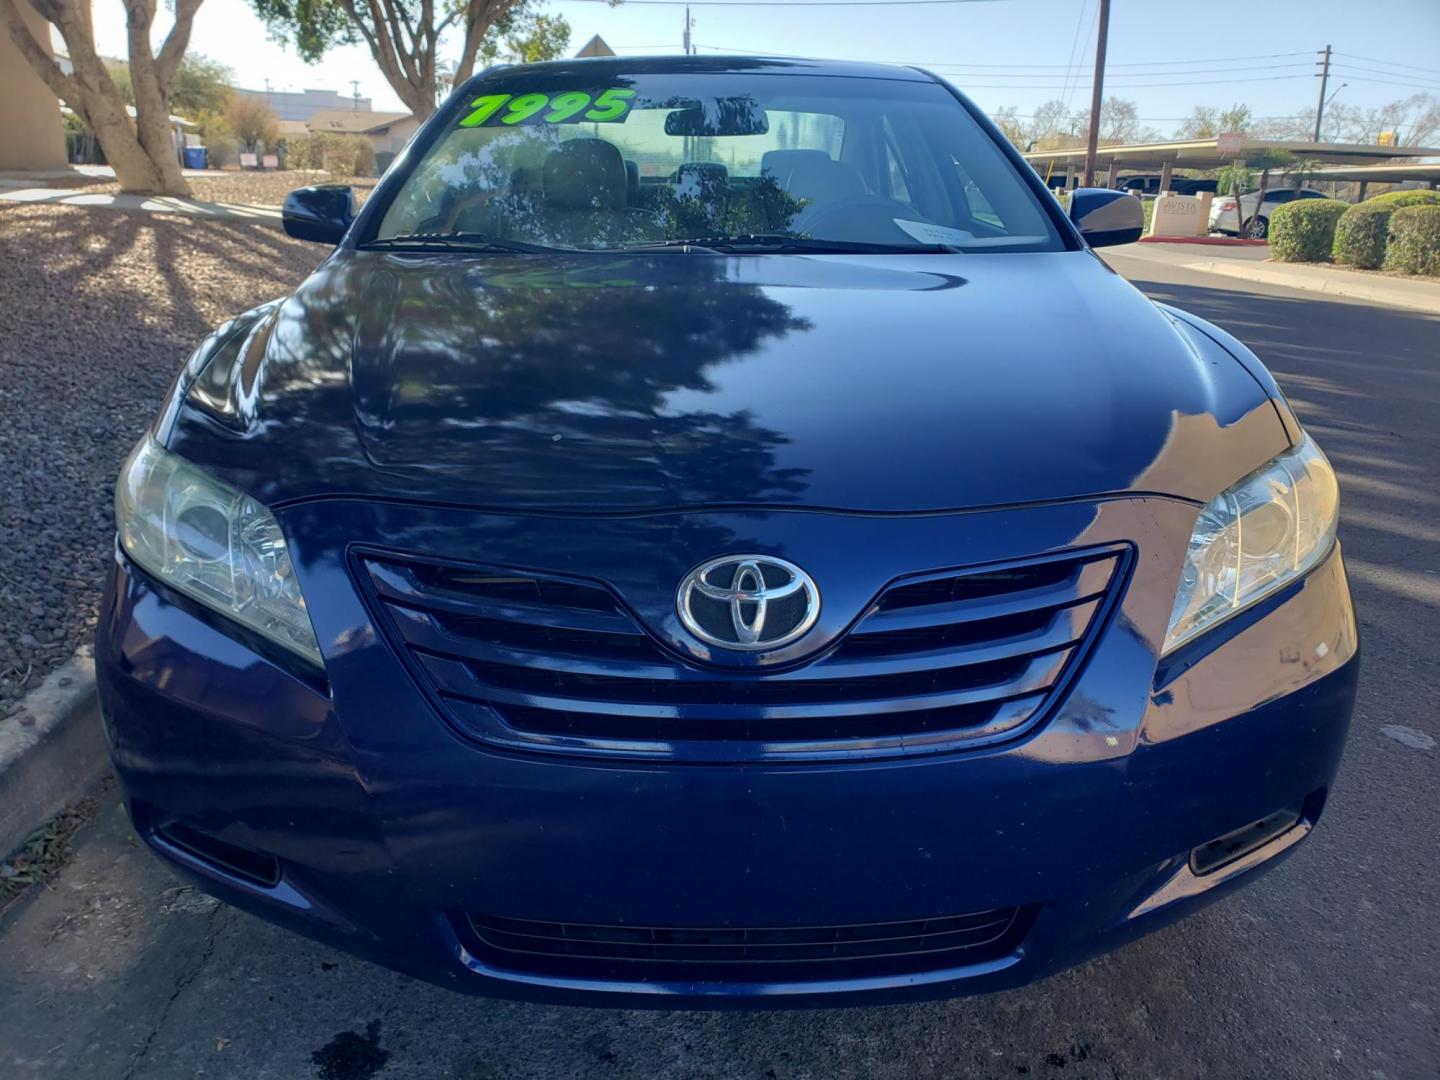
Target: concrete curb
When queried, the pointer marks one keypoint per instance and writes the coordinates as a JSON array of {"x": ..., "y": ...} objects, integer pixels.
[
  {"x": 52, "y": 751},
  {"x": 1211, "y": 241},
  {"x": 1412, "y": 295}
]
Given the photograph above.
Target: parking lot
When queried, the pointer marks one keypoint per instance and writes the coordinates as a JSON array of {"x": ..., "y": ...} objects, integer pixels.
[{"x": 1325, "y": 968}]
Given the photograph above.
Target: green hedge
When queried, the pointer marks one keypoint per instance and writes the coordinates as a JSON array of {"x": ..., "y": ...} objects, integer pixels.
[
  {"x": 1396, "y": 199},
  {"x": 1414, "y": 243},
  {"x": 1304, "y": 230},
  {"x": 1360, "y": 237}
]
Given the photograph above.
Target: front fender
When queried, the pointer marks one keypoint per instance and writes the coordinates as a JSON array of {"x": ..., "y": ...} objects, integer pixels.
[
  {"x": 1198, "y": 330},
  {"x": 226, "y": 343}
]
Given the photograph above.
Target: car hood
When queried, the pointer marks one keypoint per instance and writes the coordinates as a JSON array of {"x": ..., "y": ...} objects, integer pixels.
[{"x": 622, "y": 383}]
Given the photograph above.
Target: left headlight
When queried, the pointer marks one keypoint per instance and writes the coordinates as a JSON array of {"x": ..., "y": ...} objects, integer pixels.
[
  {"x": 1254, "y": 538},
  {"x": 212, "y": 543}
]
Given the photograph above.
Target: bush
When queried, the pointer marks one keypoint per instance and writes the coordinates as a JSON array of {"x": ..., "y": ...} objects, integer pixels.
[
  {"x": 340, "y": 155},
  {"x": 1304, "y": 230},
  {"x": 1397, "y": 199},
  {"x": 1414, "y": 243},
  {"x": 218, "y": 138},
  {"x": 1361, "y": 235}
]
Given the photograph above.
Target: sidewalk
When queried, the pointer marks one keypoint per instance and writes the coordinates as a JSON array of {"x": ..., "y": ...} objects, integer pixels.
[
  {"x": 1417, "y": 295},
  {"x": 155, "y": 204}
]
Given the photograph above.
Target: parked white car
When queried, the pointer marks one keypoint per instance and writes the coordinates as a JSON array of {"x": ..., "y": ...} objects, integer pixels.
[{"x": 1257, "y": 226}]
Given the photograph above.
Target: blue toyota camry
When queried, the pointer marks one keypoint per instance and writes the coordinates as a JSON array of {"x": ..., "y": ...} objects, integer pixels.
[{"x": 714, "y": 533}]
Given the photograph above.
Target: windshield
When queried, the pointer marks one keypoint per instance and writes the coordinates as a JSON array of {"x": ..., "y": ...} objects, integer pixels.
[{"x": 541, "y": 157}]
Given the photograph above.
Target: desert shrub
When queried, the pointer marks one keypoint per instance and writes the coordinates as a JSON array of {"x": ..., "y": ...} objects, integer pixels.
[
  {"x": 253, "y": 124},
  {"x": 1304, "y": 230},
  {"x": 340, "y": 155},
  {"x": 218, "y": 137},
  {"x": 1413, "y": 246},
  {"x": 1361, "y": 234}
]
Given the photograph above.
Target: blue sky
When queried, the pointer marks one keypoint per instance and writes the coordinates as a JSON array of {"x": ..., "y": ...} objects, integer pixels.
[{"x": 1002, "y": 52}]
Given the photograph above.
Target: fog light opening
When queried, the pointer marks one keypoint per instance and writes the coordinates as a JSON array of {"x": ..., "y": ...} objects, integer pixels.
[
  {"x": 230, "y": 859},
  {"x": 1234, "y": 845}
]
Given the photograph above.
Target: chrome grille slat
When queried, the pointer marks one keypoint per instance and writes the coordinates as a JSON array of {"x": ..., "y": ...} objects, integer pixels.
[
  {"x": 939, "y": 660},
  {"x": 458, "y": 679}
]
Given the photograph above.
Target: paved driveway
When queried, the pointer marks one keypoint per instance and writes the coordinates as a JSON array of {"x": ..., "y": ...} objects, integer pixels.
[{"x": 1325, "y": 968}]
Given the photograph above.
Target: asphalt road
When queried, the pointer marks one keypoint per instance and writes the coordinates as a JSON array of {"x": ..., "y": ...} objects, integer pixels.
[{"x": 1326, "y": 967}]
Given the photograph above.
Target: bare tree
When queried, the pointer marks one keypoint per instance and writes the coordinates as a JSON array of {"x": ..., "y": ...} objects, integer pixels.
[
  {"x": 404, "y": 36},
  {"x": 1119, "y": 123},
  {"x": 143, "y": 154}
]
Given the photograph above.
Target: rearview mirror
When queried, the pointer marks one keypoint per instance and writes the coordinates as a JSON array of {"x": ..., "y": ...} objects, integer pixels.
[
  {"x": 322, "y": 213},
  {"x": 740, "y": 115},
  {"x": 1106, "y": 217}
]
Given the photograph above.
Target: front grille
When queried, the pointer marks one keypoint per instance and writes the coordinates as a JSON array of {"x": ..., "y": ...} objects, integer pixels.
[
  {"x": 744, "y": 953},
  {"x": 936, "y": 660}
]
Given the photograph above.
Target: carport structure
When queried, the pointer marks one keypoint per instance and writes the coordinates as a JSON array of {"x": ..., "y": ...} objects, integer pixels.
[
  {"x": 1426, "y": 173},
  {"x": 1216, "y": 153}
]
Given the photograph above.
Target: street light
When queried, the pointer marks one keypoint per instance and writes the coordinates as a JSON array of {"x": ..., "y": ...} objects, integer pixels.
[{"x": 1326, "y": 106}]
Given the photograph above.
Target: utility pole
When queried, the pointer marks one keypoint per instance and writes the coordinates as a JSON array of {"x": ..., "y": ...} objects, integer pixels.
[
  {"x": 689, "y": 49},
  {"x": 1320, "y": 101},
  {"x": 1097, "y": 94},
  {"x": 354, "y": 95}
]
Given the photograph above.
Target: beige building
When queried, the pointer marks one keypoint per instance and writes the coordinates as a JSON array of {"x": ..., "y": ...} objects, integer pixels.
[
  {"x": 30, "y": 134},
  {"x": 387, "y": 132}
]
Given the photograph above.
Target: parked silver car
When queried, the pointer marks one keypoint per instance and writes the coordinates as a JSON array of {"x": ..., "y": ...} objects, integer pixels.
[{"x": 1257, "y": 226}]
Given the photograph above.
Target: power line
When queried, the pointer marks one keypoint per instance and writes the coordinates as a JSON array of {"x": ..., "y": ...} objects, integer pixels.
[
  {"x": 964, "y": 69},
  {"x": 1053, "y": 69},
  {"x": 1390, "y": 63},
  {"x": 1361, "y": 74},
  {"x": 1074, "y": 44},
  {"x": 1137, "y": 86},
  {"x": 1072, "y": 82},
  {"x": 789, "y": 3}
]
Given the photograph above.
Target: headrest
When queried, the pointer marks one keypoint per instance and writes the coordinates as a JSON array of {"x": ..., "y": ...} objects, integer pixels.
[
  {"x": 585, "y": 174},
  {"x": 701, "y": 180}
]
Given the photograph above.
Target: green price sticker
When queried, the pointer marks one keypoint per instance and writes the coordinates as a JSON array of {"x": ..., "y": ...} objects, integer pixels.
[{"x": 570, "y": 107}]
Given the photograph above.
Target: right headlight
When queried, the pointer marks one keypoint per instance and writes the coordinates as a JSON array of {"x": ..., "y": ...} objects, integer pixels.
[
  {"x": 214, "y": 544},
  {"x": 1254, "y": 538}
]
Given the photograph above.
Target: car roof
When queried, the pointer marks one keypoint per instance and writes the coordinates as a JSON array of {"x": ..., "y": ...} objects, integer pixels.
[{"x": 589, "y": 67}]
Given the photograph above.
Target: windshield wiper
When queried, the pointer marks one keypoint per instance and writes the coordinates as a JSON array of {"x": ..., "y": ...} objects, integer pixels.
[
  {"x": 456, "y": 241},
  {"x": 779, "y": 242}
]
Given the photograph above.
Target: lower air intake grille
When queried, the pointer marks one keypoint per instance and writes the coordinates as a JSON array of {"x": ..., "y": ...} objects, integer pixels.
[
  {"x": 744, "y": 954},
  {"x": 939, "y": 660}
]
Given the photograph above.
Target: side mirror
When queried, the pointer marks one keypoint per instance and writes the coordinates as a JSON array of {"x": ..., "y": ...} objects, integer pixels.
[
  {"x": 321, "y": 213},
  {"x": 1106, "y": 217}
]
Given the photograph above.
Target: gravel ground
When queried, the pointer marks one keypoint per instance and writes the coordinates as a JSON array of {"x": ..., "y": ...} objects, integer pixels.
[
  {"x": 256, "y": 188},
  {"x": 100, "y": 309}
]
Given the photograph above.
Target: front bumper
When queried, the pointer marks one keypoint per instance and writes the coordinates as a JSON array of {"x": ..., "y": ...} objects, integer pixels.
[{"x": 388, "y": 830}]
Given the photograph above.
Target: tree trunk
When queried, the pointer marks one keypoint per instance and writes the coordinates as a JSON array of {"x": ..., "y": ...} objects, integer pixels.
[
  {"x": 143, "y": 155},
  {"x": 1260, "y": 202},
  {"x": 134, "y": 170},
  {"x": 152, "y": 104}
]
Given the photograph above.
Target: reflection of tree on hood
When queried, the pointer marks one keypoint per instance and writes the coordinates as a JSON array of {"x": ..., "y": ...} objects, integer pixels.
[
  {"x": 534, "y": 342},
  {"x": 530, "y": 362}
]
